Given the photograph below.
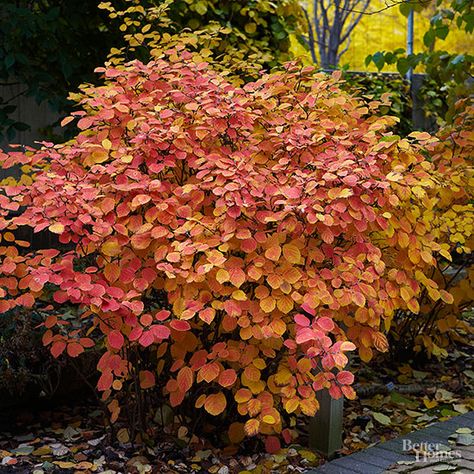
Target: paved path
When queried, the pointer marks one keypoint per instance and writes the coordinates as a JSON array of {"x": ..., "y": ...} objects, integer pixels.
[{"x": 454, "y": 456}]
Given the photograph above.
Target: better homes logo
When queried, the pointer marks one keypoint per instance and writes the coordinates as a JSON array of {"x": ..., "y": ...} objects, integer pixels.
[{"x": 425, "y": 451}]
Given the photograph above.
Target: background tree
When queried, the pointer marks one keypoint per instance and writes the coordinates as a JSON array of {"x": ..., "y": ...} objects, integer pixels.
[{"x": 330, "y": 24}]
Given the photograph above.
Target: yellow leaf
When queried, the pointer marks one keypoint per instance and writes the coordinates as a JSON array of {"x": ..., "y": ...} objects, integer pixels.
[
  {"x": 107, "y": 144},
  {"x": 269, "y": 419},
  {"x": 98, "y": 157},
  {"x": 56, "y": 228},
  {"x": 250, "y": 28},
  {"x": 283, "y": 377},
  {"x": 126, "y": 158},
  {"x": 239, "y": 295},
  {"x": 111, "y": 248},
  {"x": 403, "y": 240},
  {"x": 429, "y": 403},
  {"x": 406, "y": 294},
  {"x": 292, "y": 405},
  {"x": 123, "y": 436},
  {"x": 252, "y": 426},
  {"x": 285, "y": 304},
  {"x": 222, "y": 276}
]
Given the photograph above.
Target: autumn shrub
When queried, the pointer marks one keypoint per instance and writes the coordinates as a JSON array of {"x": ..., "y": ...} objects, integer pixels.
[
  {"x": 228, "y": 245},
  {"x": 448, "y": 211}
]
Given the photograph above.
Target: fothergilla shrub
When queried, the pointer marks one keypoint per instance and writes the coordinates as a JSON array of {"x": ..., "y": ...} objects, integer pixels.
[{"x": 228, "y": 245}]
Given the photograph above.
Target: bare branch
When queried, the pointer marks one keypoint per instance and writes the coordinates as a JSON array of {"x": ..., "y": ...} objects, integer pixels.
[
  {"x": 355, "y": 21},
  {"x": 391, "y": 5},
  {"x": 310, "y": 41}
]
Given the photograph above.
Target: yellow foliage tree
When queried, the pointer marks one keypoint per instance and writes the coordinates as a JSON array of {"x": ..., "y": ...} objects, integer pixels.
[{"x": 384, "y": 29}]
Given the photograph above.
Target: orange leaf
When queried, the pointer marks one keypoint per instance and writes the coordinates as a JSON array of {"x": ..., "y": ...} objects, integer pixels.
[
  {"x": 285, "y": 304},
  {"x": 380, "y": 341},
  {"x": 209, "y": 372},
  {"x": 185, "y": 379},
  {"x": 227, "y": 378},
  {"x": 112, "y": 272},
  {"x": 292, "y": 253},
  {"x": 268, "y": 304},
  {"x": 273, "y": 253},
  {"x": 215, "y": 404},
  {"x": 446, "y": 297},
  {"x": 140, "y": 200},
  {"x": 243, "y": 395}
]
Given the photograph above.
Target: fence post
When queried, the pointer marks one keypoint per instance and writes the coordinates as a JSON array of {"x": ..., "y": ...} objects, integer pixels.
[{"x": 325, "y": 428}]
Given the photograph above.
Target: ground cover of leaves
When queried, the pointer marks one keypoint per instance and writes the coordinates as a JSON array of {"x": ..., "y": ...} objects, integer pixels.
[{"x": 392, "y": 402}]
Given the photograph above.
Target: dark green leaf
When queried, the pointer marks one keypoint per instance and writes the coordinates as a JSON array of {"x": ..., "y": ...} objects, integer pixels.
[
  {"x": 379, "y": 60},
  {"x": 442, "y": 31},
  {"x": 429, "y": 38},
  {"x": 403, "y": 65}
]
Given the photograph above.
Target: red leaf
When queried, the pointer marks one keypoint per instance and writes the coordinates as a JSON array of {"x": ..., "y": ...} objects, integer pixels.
[
  {"x": 105, "y": 381},
  {"x": 74, "y": 349},
  {"x": 345, "y": 377},
  {"x": 305, "y": 335},
  {"x": 308, "y": 309},
  {"x": 179, "y": 325},
  {"x": 162, "y": 315},
  {"x": 335, "y": 392},
  {"x": 116, "y": 339},
  {"x": 147, "y": 339},
  {"x": 160, "y": 332},
  {"x": 272, "y": 444},
  {"x": 58, "y": 348},
  {"x": 147, "y": 379},
  {"x": 302, "y": 320},
  {"x": 287, "y": 436},
  {"x": 326, "y": 324}
]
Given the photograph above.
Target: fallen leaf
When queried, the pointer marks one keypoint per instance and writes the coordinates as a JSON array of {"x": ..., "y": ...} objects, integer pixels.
[{"x": 381, "y": 418}]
